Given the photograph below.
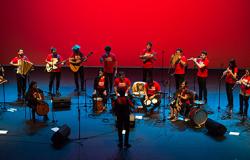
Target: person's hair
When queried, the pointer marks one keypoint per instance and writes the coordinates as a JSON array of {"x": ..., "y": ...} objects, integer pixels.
[
  {"x": 232, "y": 64},
  {"x": 204, "y": 52},
  {"x": 179, "y": 49},
  {"x": 121, "y": 73},
  {"x": 150, "y": 43},
  {"x": 52, "y": 49},
  {"x": 150, "y": 81},
  {"x": 19, "y": 49},
  {"x": 107, "y": 48}
]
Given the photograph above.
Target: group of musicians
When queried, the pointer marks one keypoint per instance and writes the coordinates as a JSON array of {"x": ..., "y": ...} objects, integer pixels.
[{"x": 104, "y": 83}]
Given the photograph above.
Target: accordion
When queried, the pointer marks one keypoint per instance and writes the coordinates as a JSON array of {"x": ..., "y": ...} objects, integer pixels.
[{"x": 24, "y": 67}]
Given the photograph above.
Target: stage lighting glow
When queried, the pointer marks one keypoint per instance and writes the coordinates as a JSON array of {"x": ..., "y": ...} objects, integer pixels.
[
  {"x": 123, "y": 131},
  {"x": 234, "y": 133},
  {"x": 138, "y": 117},
  {"x": 55, "y": 129}
]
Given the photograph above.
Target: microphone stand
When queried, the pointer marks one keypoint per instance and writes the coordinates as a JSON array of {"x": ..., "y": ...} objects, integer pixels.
[
  {"x": 219, "y": 91},
  {"x": 4, "y": 101}
]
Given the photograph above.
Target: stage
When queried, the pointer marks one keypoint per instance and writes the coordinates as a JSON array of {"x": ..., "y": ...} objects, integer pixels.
[{"x": 152, "y": 138}]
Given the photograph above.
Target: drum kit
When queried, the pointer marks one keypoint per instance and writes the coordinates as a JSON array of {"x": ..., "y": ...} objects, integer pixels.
[{"x": 153, "y": 101}]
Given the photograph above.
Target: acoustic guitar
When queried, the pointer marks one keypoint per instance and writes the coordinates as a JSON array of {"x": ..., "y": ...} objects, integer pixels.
[{"x": 77, "y": 63}]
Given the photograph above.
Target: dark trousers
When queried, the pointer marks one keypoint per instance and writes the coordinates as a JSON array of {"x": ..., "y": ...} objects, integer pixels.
[
  {"x": 110, "y": 77},
  {"x": 54, "y": 75},
  {"x": 80, "y": 72},
  {"x": 21, "y": 85},
  {"x": 202, "y": 82},
  {"x": 244, "y": 99},
  {"x": 147, "y": 74},
  {"x": 229, "y": 90},
  {"x": 123, "y": 123},
  {"x": 179, "y": 78}
]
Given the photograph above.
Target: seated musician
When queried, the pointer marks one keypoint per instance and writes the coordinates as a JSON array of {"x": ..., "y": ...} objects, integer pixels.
[
  {"x": 151, "y": 90},
  {"x": 33, "y": 97},
  {"x": 183, "y": 102},
  {"x": 101, "y": 87}
]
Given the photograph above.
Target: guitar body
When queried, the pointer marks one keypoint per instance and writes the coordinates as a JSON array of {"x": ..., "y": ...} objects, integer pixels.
[
  {"x": 74, "y": 67},
  {"x": 54, "y": 64}
]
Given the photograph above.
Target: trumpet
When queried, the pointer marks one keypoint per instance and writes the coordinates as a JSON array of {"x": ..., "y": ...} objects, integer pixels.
[{"x": 192, "y": 58}]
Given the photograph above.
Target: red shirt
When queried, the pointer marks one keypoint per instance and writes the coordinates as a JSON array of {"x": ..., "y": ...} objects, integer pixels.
[
  {"x": 151, "y": 90},
  {"x": 77, "y": 57},
  {"x": 101, "y": 83},
  {"x": 203, "y": 72},
  {"x": 245, "y": 86},
  {"x": 58, "y": 57},
  {"x": 122, "y": 84},
  {"x": 179, "y": 68},
  {"x": 109, "y": 62},
  {"x": 149, "y": 62},
  {"x": 229, "y": 78}
]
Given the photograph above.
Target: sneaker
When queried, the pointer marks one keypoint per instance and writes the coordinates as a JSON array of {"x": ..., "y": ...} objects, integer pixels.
[
  {"x": 58, "y": 93},
  {"x": 127, "y": 145}
]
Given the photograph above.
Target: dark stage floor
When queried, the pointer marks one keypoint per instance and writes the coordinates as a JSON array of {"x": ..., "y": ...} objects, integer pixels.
[{"x": 152, "y": 138}]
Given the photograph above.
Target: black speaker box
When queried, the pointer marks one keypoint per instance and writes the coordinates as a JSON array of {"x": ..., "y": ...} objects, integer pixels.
[
  {"x": 215, "y": 128},
  {"x": 61, "y": 135},
  {"x": 61, "y": 103}
]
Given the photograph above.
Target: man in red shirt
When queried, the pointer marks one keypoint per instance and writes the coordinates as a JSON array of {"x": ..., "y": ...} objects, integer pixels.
[
  {"x": 180, "y": 67},
  {"x": 77, "y": 59},
  {"x": 231, "y": 77},
  {"x": 152, "y": 89},
  {"x": 54, "y": 59},
  {"x": 21, "y": 78},
  {"x": 122, "y": 83},
  {"x": 244, "y": 94},
  {"x": 148, "y": 58},
  {"x": 202, "y": 74},
  {"x": 109, "y": 61}
]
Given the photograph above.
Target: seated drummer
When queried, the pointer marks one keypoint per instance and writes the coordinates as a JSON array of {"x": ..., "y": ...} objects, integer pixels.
[
  {"x": 122, "y": 83},
  {"x": 151, "y": 90},
  {"x": 182, "y": 102},
  {"x": 33, "y": 96},
  {"x": 101, "y": 86}
]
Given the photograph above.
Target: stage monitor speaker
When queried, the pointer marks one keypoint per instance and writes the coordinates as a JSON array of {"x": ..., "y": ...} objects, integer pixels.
[
  {"x": 215, "y": 128},
  {"x": 61, "y": 103},
  {"x": 61, "y": 135}
]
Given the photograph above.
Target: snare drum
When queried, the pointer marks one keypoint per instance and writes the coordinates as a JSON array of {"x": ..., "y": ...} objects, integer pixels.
[{"x": 198, "y": 115}]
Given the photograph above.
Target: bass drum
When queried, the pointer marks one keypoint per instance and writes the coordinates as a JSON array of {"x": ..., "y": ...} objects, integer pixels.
[
  {"x": 42, "y": 108},
  {"x": 198, "y": 115},
  {"x": 98, "y": 105}
]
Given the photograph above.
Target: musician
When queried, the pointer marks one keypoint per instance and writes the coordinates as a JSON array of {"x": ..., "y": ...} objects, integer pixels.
[
  {"x": 183, "y": 102},
  {"x": 76, "y": 58},
  {"x": 148, "y": 58},
  {"x": 34, "y": 95},
  {"x": 101, "y": 86},
  {"x": 122, "y": 111},
  {"x": 55, "y": 59},
  {"x": 231, "y": 76},
  {"x": 180, "y": 62},
  {"x": 122, "y": 83},
  {"x": 21, "y": 78},
  {"x": 110, "y": 65},
  {"x": 244, "y": 94},
  {"x": 2, "y": 79},
  {"x": 151, "y": 90},
  {"x": 202, "y": 74}
]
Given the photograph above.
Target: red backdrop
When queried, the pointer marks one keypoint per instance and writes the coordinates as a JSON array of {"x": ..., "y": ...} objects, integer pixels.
[{"x": 222, "y": 27}]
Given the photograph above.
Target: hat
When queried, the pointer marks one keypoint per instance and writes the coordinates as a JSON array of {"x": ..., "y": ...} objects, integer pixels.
[{"x": 76, "y": 47}]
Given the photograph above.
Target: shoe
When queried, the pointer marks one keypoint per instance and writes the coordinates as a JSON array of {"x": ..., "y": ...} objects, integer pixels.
[
  {"x": 174, "y": 119},
  {"x": 49, "y": 94},
  {"x": 127, "y": 145},
  {"x": 120, "y": 145},
  {"x": 170, "y": 117},
  {"x": 58, "y": 93}
]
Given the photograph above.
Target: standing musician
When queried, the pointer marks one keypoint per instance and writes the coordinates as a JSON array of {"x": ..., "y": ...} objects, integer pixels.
[
  {"x": 148, "y": 58},
  {"x": 101, "y": 86},
  {"x": 109, "y": 61},
  {"x": 151, "y": 90},
  {"x": 202, "y": 74},
  {"x": 20, "y": 77},
  {"x": 244, "y": 94},
  {"x": 183, "y": 102},
  {"x": 122, "y": 83},
  {"x": 55, "y": 61},
  {"x": 77, "y": 58},
  {"x": 34, "y": 97},
  {"x": 179, "y": 61},
  {"x": 122, "y": 111},
  {"x": 231, "y": 77}
]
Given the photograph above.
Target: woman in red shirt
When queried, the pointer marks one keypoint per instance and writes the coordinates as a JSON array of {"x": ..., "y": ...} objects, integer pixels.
[
  {"x": 231, "y": 76},
  {"x": 244, "y": 94}
]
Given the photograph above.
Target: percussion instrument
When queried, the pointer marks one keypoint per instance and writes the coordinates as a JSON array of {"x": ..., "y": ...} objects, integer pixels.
[
  {"x": 198, "y": 115},
  {"x": 98, "y": 104},
  {"x": 147, "y": 102},
  {"x": 24, "y": 67},
  {"x": 42, "y": 108}
]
